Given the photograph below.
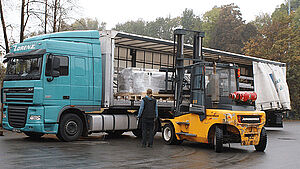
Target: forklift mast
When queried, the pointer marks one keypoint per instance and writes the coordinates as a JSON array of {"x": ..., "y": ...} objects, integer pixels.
[{"x": 196, "y": 92}]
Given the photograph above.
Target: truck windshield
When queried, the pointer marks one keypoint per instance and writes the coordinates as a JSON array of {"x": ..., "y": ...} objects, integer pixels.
[{"x": 24, "y": 68}]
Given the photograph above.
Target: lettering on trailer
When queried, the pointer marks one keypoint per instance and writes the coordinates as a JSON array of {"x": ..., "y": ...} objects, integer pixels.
[{"x": 24, "y": 47}]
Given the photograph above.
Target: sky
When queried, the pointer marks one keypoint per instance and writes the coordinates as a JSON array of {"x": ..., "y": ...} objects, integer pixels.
[{"x": 120, "y": 11}]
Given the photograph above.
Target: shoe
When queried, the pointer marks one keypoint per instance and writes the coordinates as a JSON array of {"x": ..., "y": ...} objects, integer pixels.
[
  {"x": 150, "y": 145},
  {"x": 144, "y": 146}
]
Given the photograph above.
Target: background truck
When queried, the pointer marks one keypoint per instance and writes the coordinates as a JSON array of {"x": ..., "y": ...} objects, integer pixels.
[{"x": 70, "y": 83}]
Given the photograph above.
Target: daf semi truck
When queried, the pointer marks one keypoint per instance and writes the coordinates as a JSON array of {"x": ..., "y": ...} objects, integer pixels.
[{"x": 67, "y": 83}]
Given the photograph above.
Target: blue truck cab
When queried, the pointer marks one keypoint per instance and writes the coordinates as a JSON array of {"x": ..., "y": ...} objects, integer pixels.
[{"x": 48, "y": 77}]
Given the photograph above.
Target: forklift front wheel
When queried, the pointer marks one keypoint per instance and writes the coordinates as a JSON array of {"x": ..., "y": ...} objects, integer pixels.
[
  {"x": 169, "y": 135},
  {"x": 218, "y": 139},
  {"x": 262, "y": 141}
]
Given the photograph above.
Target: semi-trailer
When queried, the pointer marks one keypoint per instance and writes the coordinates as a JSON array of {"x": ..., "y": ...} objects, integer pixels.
[{"x": 69, "y": 83}]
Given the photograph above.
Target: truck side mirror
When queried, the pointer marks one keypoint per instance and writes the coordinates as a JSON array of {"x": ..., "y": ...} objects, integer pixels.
[{"x": 54, "y": 69}]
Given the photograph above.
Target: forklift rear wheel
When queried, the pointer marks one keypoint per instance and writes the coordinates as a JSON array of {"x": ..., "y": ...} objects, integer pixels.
[
  {"x": 218, "y": 139},
  {"x": 262, "y": 141},
  {"x": 169, "y": 135},
  {"x": 70, "y": 128},
  {"x": 33, "y": 135}
]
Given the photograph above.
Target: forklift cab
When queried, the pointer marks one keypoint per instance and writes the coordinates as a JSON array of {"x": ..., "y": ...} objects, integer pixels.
[{"x": 203, "y": 111}]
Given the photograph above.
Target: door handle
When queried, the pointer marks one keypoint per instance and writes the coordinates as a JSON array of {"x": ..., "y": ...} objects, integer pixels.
[{"x": 66, "y": 97}]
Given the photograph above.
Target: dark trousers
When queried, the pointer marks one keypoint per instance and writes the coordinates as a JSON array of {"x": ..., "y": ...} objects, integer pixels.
[{"x": 147, "y": 131}]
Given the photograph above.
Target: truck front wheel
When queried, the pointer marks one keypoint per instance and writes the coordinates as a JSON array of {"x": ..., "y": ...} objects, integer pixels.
[
  {"x": 169, "y": 135},
  {"x": 262, "y": 141},
  {"x": 33, "y": 135},
  {"x": 218, "y": 139},
  {"x": 70, "y": 128}
]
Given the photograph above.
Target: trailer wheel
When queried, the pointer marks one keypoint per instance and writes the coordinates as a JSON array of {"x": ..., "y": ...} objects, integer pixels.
[
  {"x": 169, "y": 135},
  {"x": 218, "y": 140},
  {"x": 137, "y": 133},
  {"x": 34, "y": 135},
  {"x": 70, "y": 128},
  {"x": 262, "y": 141}
]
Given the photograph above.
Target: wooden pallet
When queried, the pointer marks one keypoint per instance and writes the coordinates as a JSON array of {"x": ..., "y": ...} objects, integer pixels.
[{"x": 140, "y": 96}]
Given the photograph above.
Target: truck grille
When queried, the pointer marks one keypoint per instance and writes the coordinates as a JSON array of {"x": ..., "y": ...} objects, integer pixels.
[
  {"x": 17, "y": 116},
  {"x": 18, "y": 95}
]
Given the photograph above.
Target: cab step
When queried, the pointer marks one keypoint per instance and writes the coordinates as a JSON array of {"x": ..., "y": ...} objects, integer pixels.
[
  {"x": 187, "y": 134},
  {"x": 185, "y": 123}
]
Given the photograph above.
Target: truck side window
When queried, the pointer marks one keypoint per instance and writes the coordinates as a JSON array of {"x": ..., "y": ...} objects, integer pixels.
[{"x": 63, "y": 67}]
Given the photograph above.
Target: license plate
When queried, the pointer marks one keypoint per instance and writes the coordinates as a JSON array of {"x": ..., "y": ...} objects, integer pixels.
[{"x": 16, "y": 130}]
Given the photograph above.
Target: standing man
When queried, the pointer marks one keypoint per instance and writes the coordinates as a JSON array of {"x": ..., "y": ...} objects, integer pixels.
[{"x": 148, "y": 112}]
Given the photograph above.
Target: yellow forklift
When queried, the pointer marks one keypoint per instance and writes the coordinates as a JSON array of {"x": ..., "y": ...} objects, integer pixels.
[{"x": 203, "y": 111}]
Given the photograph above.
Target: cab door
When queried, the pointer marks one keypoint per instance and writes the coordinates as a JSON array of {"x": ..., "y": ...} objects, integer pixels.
[
  {"x": 80, "y": 80},
  {"x": 56, "y": 89}
]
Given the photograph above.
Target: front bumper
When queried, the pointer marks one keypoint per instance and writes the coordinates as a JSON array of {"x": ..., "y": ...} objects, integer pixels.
[
  {"x": 250, "y": 135},
  {"x": 36, "y": 127},
  {"x": 31, "y": 125}
]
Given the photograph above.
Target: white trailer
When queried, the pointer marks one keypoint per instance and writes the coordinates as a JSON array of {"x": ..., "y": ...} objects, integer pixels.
[{"x": 123, "y": 50}]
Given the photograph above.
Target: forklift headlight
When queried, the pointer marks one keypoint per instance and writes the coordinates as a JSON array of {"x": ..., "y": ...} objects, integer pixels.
[{"x": 35, "y": 117}]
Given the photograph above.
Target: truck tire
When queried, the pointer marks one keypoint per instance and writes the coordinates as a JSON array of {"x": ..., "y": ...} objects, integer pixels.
[
  {"x": 34, "y": 135},
  {"x": 262, "y": 141},
  {"x": 116, "y": 133},
  {"x": 169, "y": 135},
  {"x": 70, "y": 128},
  {"x": 218, "y": 139}
]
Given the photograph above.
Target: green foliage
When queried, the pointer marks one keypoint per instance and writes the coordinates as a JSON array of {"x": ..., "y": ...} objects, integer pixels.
[
  {"x": 163, "y": 27},
  {"x": 279, "y": 39},
  {"x": 137, "y": 27},
  {"x": 230, "y": 32},
  {"x": 190, "y": 21},
  {"x": 209, "y": 22},
  {"x": 87, "y": 24}
]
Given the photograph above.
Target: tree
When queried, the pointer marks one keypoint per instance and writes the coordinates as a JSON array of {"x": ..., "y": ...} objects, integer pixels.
[
  {"x": 191, "y": 22},
  {"x": 162, "y": 27},
  {"x": 209, "y": 21},
  {"x": 230, "y": 32},
  {"x": 87, "y": 24},
  {"x": 137, "y": 27},
  {"x": 4, "y": 28}
]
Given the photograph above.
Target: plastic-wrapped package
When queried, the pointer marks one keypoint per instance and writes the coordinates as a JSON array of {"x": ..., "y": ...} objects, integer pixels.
[{"x": 137, "y": 80}]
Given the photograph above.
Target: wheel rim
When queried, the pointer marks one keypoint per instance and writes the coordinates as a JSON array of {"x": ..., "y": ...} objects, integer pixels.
[
  {"x": 71, "y": 128},
  {"x": 167, "y": 133}
]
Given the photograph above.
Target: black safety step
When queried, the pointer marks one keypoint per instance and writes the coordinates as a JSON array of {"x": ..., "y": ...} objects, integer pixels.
[
  {"x": 186, "y": 123},
  {"x": 186, "y": 134}
]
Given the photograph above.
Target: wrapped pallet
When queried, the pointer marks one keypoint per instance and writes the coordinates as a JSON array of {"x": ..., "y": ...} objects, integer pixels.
[{"x": 137, "y": 80}]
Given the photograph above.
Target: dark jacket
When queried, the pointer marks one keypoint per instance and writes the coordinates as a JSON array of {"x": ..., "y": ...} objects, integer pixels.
[{"x": 147, "y": 108}]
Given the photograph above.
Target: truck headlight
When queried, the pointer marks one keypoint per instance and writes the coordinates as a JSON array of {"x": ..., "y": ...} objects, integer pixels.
[{"x": 35, "y": 117}]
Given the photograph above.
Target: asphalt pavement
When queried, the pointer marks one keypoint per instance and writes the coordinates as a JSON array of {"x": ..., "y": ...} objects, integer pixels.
[{"x": 100, "y": 151}]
